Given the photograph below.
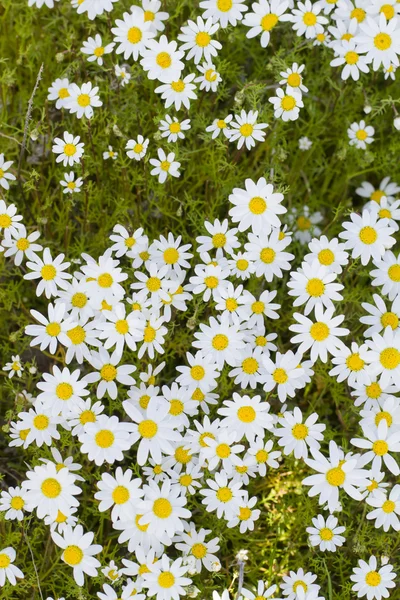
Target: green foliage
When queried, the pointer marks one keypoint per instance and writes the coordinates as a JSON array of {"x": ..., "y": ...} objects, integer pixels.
[{"x": 324, "y": 178}]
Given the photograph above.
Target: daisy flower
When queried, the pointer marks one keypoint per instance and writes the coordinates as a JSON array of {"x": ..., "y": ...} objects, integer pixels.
[
  {"x": 161, "y": 60},
  {"x": 58, "y": 91},
  {"x": 154, "y": 15},
  {"x": 110, "y": 154},
  {"x": 51, "y": 273},
  {"x": 70, "y": 184},
  {"x": 367, "y": 236},
  {"x": 287, "y": 104},
  {"x": 49, "y": 490},
  {"x": 8, "y": 571},
  {"x": 307, "y": 20},
  {"x": 178, "y": 93},
  {"x": 169, "y": 252},
  {"x": 209, "y": 78},
  {"x": 262, "y": 455},
  {"x": 208, "y": 280},
  {"x": 306, "y": 223},
  {"x": 389, "y": 211},
  {"x": 12, "y": 502},
  {"x": 41, "y": 425},
  {"x": 132, "y": 33},
  {"x": 165, "y": 165},
  {"x": 20, "y": 245},
  {"x": 371, "y": 581},
  {"x": 240, "y": 266},
  {"x": 5, "y": 177},
  {"x": 245, "y": 516},
  {"x": 93, "y": 7},
  {"x": 224, "y": 12},
  {"x": 105, "y": 439},
  {"x": 326, "y": 534},
  {"x": 385, "y": 356},
  {"x": 256, "y": 206},
  {"x": 198, "y": 42},
  {"x": 348, "y": 56},
  {"x": 137, "y": 148},
  {"x": 296, "y": 436},
  {"x": 244, "y": 129},
  {"x": 9, "y": 220},
  {"x": 334, "y": 473},
  {"x": 81, "y": 100},
  {"x": 313, "y": 285},
  {"x": 380, "y": 317},
  {"x": 293, "y": 79},
  {"x": 321, "y": 335},
  {"x": 387, "y": 188},
  {"x": 360, "y": 135},
  {"x": 112, "y": 572},
  {"x": 95, "y": 49},
  {"x": 305, "y": 143},
  {"x": 223, "y": 495},
  {"x": 69, "y": 149},
  {"x": 219, "y": 125},
  {"x": 120, "y": 492},
  {"x": 78, "y": 551},
  {"x": 264, "y": 17},
  {"x": 262, "y": 593},
  {"x": 121, "y": 328},
  {"x": 166, "y": 580},
  {"x": 247, "y": 417},
  {"x": 387, "y": 274},
  {"x": 222, "y": 452},
  {"x": 298, "y": 583},
  {"x": 173, "y": 129},
  {"x": 14, "y": 367},
  {"x": 202, "y": 372},
  {"x": 378, "y": 39}
]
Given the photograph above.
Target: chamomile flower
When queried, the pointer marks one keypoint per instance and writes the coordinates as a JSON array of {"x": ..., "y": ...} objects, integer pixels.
[
  {"x": 387, "y": 508},
  {"x": 193, "y": 543},
  {"x": 166, "y": 580},
  {"x": 262, "y": 455},
  {"x": 95, "y": 49},
  {"x": 348, "y": 56},
  {"x": 49, "y": 490},
  {"x": 306, "y": 223},
  {"x": 298, "y": 583},
  {"x": 173, "y": 129},
  {"x": 93, "y": 7},
  {"x": 360, "y": 135},
  {"x": 389, "y": 211},
  {"x": 367, "y": 236},
  {"x": 112, "y": 572},
  {"x": 41, "y": 425},
  {"x": 261, "y": 593},
  {"x": 351, "y": 363},
  {"x": 305, "y": 143},
  {"x": 334, "y": 473},
  {"x": 123, "y": 74},
  {"x": 387, "y": 410},
  {"x": 387, "y": 188},
  {"x": 202, "y": 372},
  {"x": 58, "y": 91},
  {"x": 51, "y": 273},
  {"x": 9, "y": 220},
  {"x": 121, "y": 328},
  {"x": 82, "y": 100},
  {"x": 108, "y": 371},
  {"x": 387, "y": 274},
  {"x": 224, "y": 12},
  {"x": 20, "y": 244},
  {"x": 380, "y": 443},
  {"x": 132, "y": 33},
  {"x": 267, "y": 253},
  {"x": 120, "y": 492},
  {"x": 264, "y": 17},
  {"x": 378, "y": 39},
  {"x": 179, "y": 92},
  {"x": 220, "y": 238},
  {"x": 137, "y": 148},
  {"x": 227, "y": 298},
  {"x": 165, "y": 165},
  {"x": 5, "y": 176},
  {"x": 208, "y": 280},
  {"x": 287, "y": 104},
  {"x": 313, "y": 285},
  {"x": 245, "y": 130},
  {"x": 8, "y": 571},
  {"x": 320, "y": 335},
  {"x": 283, "y": 373},
  {"x": 69, "y": 149},
  {"x": 209, "y": 78},
  {"x": 329, "y": 253},
  {"x": 385, "y": 357},
  {"x": 256, "y": 206},
  {"x": 220, "y": 125},
  {"x": 110, "y": 154},
  {"x": 371, "y": 581},
  {"x": 161, "y": 60},
  {"x": 293, "y": 79},
  {"x": 296, "y": 436},
  {"x": 78, "y": 551},
  {"x": 154, "y": 333},
  {"x": 70, "y": 184},
  {"x": 105, "y": 439},
  {"x": 326, "y": 534},
  {"x": 221, "y": 339},
  {"x": 245, "y": 516},
  {"x": 223, "y": 495},
  {"x": 51, "y": 329},
  {"x": 307, "y": 20},
  {"x": 14, "y": 367},
  {"x": 154, "y": 15},
  {"x": 12, "y": 502},
  {"x": 247, "y": 417},
  {"x": 198, "y": 41}
]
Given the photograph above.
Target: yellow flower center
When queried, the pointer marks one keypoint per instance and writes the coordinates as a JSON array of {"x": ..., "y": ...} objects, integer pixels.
[
  {"x": 165, "y": 165},
  {"x": 319, "y": 331},
  {"x": 377, "y": 196},
  {"x": 171, "y": 256},
  {"x": 388, "y": 506},
  {"x": 390, "y": 358},
  {"x": 148, "y": 428},
  {"x": 267, "y": 255},
  {"x": 250, "y": 365},
  {"x": 17, "y": 503},
  {"x": 300, "y": 431},
  {"x": 53, "y": 329},
  {"x": 122, "y": 326},
  {"x": 69, "y": 149},
  {"x": 362, "y": 135},
  {"x": 108, "y": 372},
  {"x": 246, "y": 130},
  {"x": 246, "y": 414},
  {"x": 257, "y": 205},
  {"x": 150, "y": 334},
  {"x": 388, "y": 11},
  {"x": 373, "y": 391},
  {"x": 63, "y": 93},
  {"x": 359, "y": 14},
  {"x": 380, "y": 447},
  {"x": 140, "y": 527},
  {"x": 224, "y": 5},
  {"x": 354, "y": 362},
  {"x": 203, "y": 39},
  {"x": 51, "y": 488},
  {"x": 294, "y": 80},
  {"x": 218, "y": 240},
  {"x": 164, "y": 60},
  {"x": 73, "y": 555},
  {"x": 211, "y": 282},
  {"x": 383, "y": 415},
  {"x": 48, "y": 272},
  {"x": 303, "y": 223},
  {"x": 149, "y": 15},
  {"x": 244, "y": 513},
  {"x": 87, "y": 416},
  {"x": 166, "y": 580},
  {"x": 41, "y": 422},
  {"x": 269, "y": 21},
  {"x": 121, "y": 494},
  {"x": 326, "y": 257},
  {"x": 351, "y": 57},
  {"x": 134, "y": 35},
  {"x": 23, "y": 244},
  {"x": 104, "y": 438},
  {"x": 99, "y": 51},
  {"x": 182, "y": 455},
  {"x": 309, "y": 19},
  {"x": 176, "y": 407},
  {"x": 231, "y": 304},
  {"x": 326, "y": 534},
  {"x": 83, "y": 100},
  {"x": 197, "y": 372},
  {"x": 105, "y": 280},
  {"x": 224, "y": 494},
  {"x": 79, "y": 300},
  {"x": 64, "y": 391},
  {"x": 373, "y": 578},
  {"x": 220, "y": 342},
  {"x": 336, "y": 476},
  {"x": 77, "y": 335},
  {"x": 394, "y": 273},
  {"x": 223, "y": 451},
  {"x": 162, "y": 508},
  {"x": 178, "y": 86},
  {"x": 280, "y": 376},
  {"x": 315, "y": 288},
  {"x": 4, "y": 560}
]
